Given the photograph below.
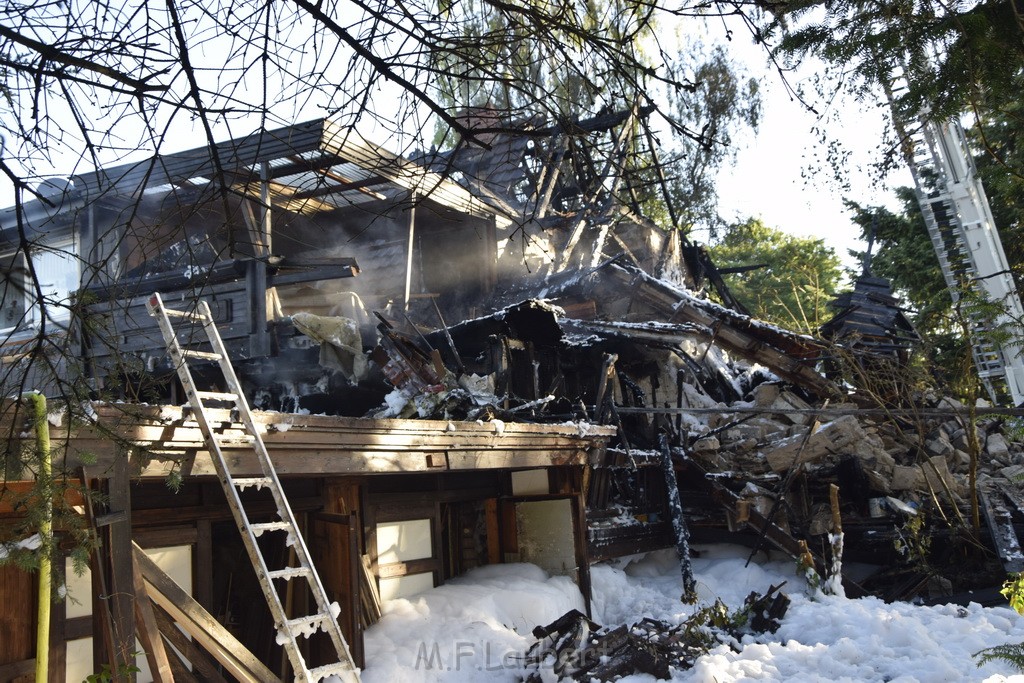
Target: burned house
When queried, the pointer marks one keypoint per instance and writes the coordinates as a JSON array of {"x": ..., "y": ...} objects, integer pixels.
[
  {"x": 283, "y": 234},
  {"x": 453, "y": 359}
]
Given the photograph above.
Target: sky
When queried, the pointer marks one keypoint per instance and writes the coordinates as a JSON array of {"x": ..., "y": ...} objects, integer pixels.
[
  {"x": 776, "y": 175},
  {"x": 771, "y": 177},
  {"x": 476, "y": 628}
]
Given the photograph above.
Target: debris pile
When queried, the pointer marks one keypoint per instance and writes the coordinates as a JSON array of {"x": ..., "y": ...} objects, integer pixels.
[
  {"x": 753, "y": 454},
  {"x": 574, "y": 647}
]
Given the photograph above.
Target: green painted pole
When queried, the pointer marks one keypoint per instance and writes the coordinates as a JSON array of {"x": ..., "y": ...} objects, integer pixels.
[{"x": 37, "y": 404}]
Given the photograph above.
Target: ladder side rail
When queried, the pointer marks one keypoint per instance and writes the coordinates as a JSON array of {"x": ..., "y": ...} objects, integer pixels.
[
  {"x": 217, "y": 454},
  {"x": 984, "y": 248},
  {"x": 921, "y": 161},
  {"x": 924, "y": 155},
  {"x": 303, "y": 674},
  {"x": 296, "y": 540}
]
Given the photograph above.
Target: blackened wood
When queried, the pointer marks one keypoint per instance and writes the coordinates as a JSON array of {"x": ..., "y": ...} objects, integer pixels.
[
  {"x": 1004, "y": 536},
  {"x": 563, "y": 624},
  {"x": 202, "y": 565},
  {"x": 682, "y": 532},
  {"x": 580, "y": 537}
]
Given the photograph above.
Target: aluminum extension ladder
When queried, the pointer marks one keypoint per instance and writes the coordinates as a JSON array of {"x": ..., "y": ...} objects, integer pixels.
[
  {"x": 288, "y": 629},
  {"x": 964, "y": 236}
]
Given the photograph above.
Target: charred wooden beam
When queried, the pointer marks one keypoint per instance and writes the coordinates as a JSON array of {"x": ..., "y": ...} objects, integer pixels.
[
  {"x": 776, "y": 349},
  {"x": 682, "y": 532},
  {"x": 1004, "y": 537}
]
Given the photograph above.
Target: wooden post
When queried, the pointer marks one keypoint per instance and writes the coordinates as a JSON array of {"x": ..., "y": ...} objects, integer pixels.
[
  {"x": 58, "y": 643},
  {"x": 409, "y": 250},
  {"x": 266, "y": 231},
  {"x": 490, "y": 269},
  {"x": 197, "y": 622},
  {"x": 202, "y": 565},
  {"x": 682, "y": 532},
  {"x": 256, "y": 276},
  {"x": 122, "y": 578},
  {"x": 579, "y": 525},
  {"x": 493, "y": 531}
]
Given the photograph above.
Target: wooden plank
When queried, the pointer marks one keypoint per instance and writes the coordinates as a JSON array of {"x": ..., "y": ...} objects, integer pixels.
[
  {"x": 78, "y": 627},
  {"x": 493, "y": 531},
  {"x": 368, "y": 592},
  {"x": 149, "y": 634},
  {"x": 179, "y": 668},
  {"x": 101, "y": 647},
  {"x": 308, "y": 462},
  {"x": 17, "y": 622},
  {"x": 776, "y": 349},
  {"x": 420, "y": 566},
  {"x": 165, "y": 536},
  {"x": 205, "y": 665},
  {"x": 217, "y": 513},
  {"x": 303, "y": 445},
  {"x": 200, "y": 624},
  {"x": 25, "y": 668}
]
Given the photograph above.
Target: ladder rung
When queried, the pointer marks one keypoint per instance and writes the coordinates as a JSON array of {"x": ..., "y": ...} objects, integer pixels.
[
  {"x": 245, "y": 482},
  {"x": 307, "y": 626},
  {"x": 243, "y": 440},
  {"x": 258, "y": 529},
  {"x": 188, "y": 315},
  {"x": 217, "y": 396},
  {"x": 200, "y": 355},
  {"x": 288, "y": 573},
  {"x": 344, "y": 671}
]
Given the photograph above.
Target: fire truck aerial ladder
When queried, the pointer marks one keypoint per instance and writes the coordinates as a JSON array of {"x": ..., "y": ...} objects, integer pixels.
[{"x": 966, "y": 242}]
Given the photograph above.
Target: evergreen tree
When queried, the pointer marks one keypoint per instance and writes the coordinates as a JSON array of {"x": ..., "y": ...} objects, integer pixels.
[{"x": 795, "y": 282}]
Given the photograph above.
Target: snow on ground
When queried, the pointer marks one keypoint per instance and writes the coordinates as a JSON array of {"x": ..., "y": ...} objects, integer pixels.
[{"x": 477, "y": 627}]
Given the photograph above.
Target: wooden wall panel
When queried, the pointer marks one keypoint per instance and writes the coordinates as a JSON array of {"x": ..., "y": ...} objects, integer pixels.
[{"x": 18, "y": 616}]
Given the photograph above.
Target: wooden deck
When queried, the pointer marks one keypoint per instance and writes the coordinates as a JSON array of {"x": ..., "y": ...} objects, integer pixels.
[{"x": 159, "y": 438}]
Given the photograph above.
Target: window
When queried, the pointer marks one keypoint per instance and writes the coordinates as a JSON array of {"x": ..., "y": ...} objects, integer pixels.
[{"x": 56, "y": 268}]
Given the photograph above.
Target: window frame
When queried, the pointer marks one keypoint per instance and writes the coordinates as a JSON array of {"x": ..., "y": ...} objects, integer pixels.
[{"x": 66, "y": 248}]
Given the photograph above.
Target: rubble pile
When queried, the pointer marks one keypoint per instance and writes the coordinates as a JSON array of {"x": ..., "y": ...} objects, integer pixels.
[
  {"x": 753, "y": 455},
  {"x": 575, "y": 648},
  {"x": 901, "y": 472},
  {"x": 742, "y": 418}
]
